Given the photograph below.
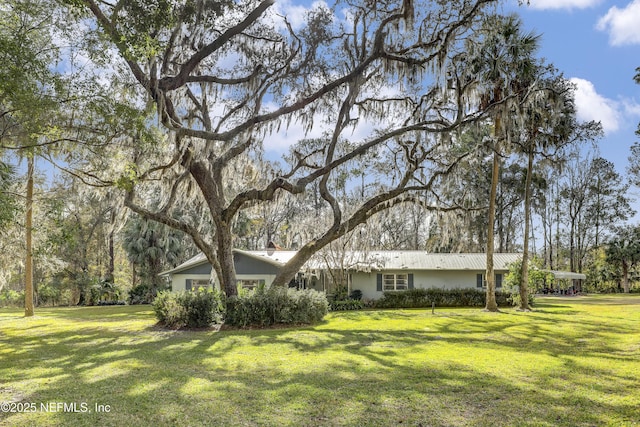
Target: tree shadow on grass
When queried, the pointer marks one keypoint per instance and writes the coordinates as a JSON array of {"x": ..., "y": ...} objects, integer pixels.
[
  {"x": 373, "y": 373},
  {"x": 113, "y": 313},
  {"x": 370, "y": 390}
]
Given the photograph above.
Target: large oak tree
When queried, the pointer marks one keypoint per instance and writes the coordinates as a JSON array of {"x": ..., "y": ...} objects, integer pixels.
[{"x": 224, "y": 77}]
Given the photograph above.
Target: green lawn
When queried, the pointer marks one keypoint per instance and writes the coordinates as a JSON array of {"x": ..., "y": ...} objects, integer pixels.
[{"x": 572, "y": 362}]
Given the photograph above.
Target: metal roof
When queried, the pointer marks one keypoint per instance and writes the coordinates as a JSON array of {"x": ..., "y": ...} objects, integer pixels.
[
  {"x": 192, "y": 262},
  {"x": 567, "y": 275},
  {"x": 378, "y": 260},
  {"x": 420, "y": 260},
  {"x": 277, "y": 258}
]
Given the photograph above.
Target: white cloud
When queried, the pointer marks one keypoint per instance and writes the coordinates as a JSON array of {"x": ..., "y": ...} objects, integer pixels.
[
  {"x": 631, "y": 108},
  {"x": 296, "y": 14},
  {"x": 622, "y": 24},
  {"x": 562, "y": 4},
  {"x": 593, "y": 106}
]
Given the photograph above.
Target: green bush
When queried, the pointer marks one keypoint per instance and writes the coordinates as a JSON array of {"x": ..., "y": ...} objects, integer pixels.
[
  {"x": 512, "y": 281},
  {"x": 350, "y": 304},
  {"x": 108, "y": 303},
  {"x": 423, "y": 298},
  {"x": 139, "y": 294},
  {"x": 11, "y": 298},
  {"x": 49, "y": 294},
  {"x": 168, "y": 311},
  {"x": 339, "y": 294},
  {"x": 276, "y": 305},
  {"x": 356, "y": 294},
  {"x": 190, "y": 309}
]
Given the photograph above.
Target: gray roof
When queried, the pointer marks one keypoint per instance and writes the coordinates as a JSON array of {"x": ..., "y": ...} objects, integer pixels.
[
  {"x": 567, "y": 275},
  {"x": 377, "y": 260},
  {"x": 278, "y": 258},
  {"x": 192, "y": 262},
  {"x": 420, "y": 260}
]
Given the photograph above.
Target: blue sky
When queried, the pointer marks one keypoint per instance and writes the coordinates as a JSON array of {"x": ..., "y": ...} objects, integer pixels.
[
  {"x": 597, "y": 45},
  {"x": 594, "y": 43}
]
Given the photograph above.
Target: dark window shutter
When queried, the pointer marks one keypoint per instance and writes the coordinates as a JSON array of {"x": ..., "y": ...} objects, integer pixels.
[
  {"x": 187, "y": 284},
  {"x": 410, "y": 281},
  {"x": 479, "y": 280},
  {"x": 379, "y": 283},
  {"x": 498, "y": 280}
]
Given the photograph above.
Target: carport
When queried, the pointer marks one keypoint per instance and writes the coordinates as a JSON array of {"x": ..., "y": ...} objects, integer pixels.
[{"x": 565, "y": 282}]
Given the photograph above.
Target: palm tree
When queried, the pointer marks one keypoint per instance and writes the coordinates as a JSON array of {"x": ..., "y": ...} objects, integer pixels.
[
  {"x": 502, "y": 58},
  {"x": 152, "y": 246},
  {"x": 546, "y": 124},
  {"x": 547, "y": 120}
]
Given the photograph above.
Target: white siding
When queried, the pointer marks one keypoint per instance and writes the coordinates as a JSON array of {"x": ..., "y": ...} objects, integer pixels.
[
  {"x": 366, "y": 282},
  {"x": 179, "y": 281},
  {"x": 268, "y": 279}
]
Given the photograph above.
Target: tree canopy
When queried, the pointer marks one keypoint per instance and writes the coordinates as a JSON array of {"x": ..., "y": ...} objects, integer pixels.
[
  {"x": 398, "y": 125},
  {"x": 624, "y": 249},
  {"x": 216, "y": 118}
]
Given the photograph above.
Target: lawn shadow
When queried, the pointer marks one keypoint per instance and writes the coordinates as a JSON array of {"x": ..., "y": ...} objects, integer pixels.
[{"x": 353, "y": 376}]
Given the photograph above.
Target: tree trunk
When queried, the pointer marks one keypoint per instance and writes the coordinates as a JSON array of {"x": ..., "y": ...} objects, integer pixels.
[
  {"x": 133, "y": 275},
  {"x": 490, "y": 275},
  {"x": 109, "y": 277},
  {"x": 572, "y": 244},
  {"x": 557, "y": 253},
  {"x": 294, "y": 265},
  {"x": 625, "y": 277},
  {"x": 28, "y": 290},
  {"x": 227, "y": 273},
  {"x": 524, "y": 284}
]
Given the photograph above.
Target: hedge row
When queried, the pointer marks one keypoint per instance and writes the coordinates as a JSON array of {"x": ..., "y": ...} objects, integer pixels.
[
  {"x": 345, "y": 305},
  {"x": 423, "y": 298},
  {"x": 204, "y": 307},
  {"x": 276, "y": 305},
  {"x": 197, "y": 309}
]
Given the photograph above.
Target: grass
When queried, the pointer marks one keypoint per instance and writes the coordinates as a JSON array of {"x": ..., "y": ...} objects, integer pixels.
[{"x": 571, "y": 362}]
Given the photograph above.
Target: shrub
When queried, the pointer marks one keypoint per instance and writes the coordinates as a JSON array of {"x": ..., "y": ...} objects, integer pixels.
[
  {"x": 11, "y": 298},
  {"x": 139, "y": 294},
  {"x": 424, "y": 298},
  {"x": 168, "y": 311},
  {"x": 340, "y": 294},
  {"x": 350, "y": 304},
  {"x": 191, "y": 309},
  {"x": 356, "y": 294},
  {"x": 513, "y": 279},
  {"x": 120, "y": 302},
  {"x": 203, "y": 307},
  {"x": 48, "y": 294},
  {"x": 276, "y": 305}
]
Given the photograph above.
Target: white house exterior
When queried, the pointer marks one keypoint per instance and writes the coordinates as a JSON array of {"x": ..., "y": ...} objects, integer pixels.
[
  {"x": 252, "y": 268},
  {"x": 401, "y": 270},
  {"x": 370, "y": 272}
]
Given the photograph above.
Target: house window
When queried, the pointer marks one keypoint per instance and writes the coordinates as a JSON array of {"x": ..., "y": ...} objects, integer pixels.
[
  {"x": 481, "y": 281},
  {"x": 250, "y": 284},
  {"x": 395, "y": 282},
  {"x": 195, "y": 284}
]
